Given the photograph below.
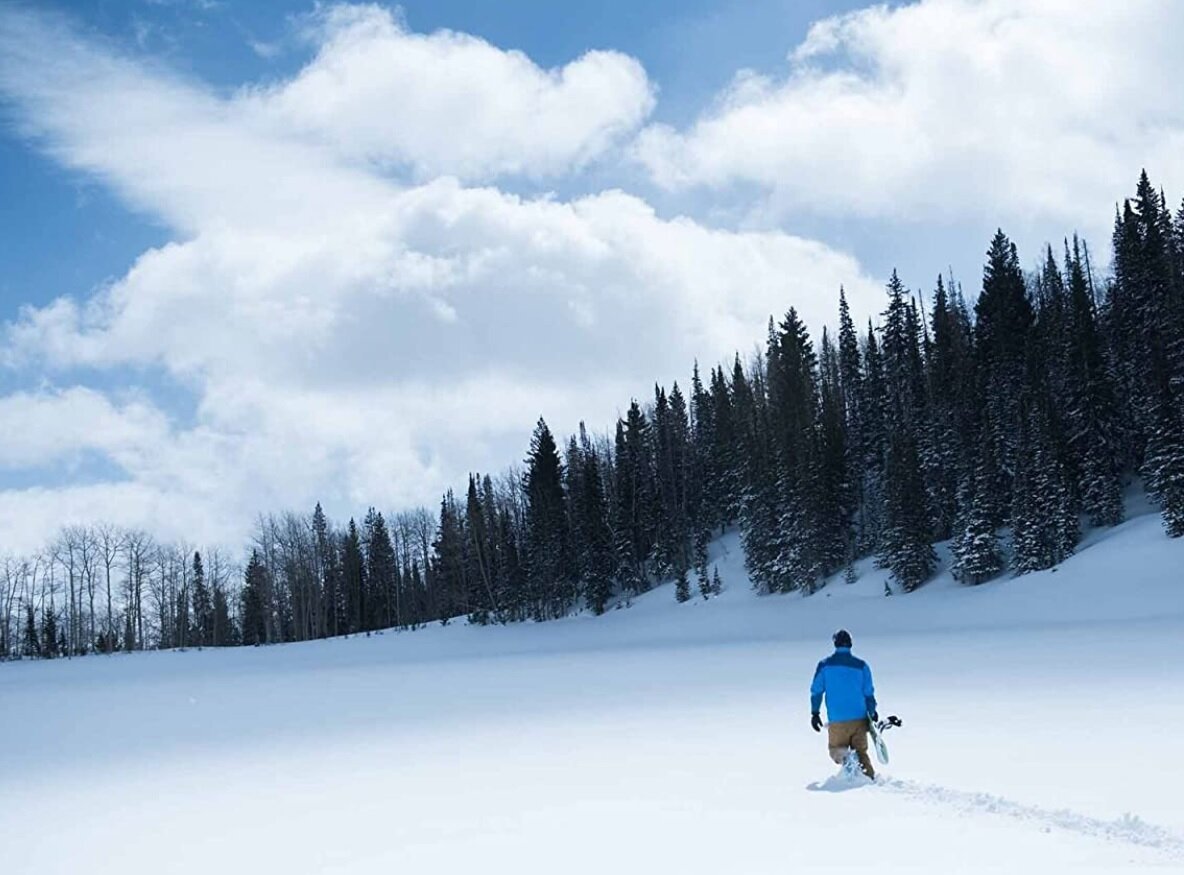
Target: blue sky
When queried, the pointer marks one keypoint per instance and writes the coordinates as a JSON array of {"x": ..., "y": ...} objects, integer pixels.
[
  {"x": 691, "y": 49},
  {"x": 258, "y": 255}
]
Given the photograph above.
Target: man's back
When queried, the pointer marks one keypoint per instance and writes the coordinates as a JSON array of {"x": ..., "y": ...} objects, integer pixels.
[{"x": 845, "y": 681}]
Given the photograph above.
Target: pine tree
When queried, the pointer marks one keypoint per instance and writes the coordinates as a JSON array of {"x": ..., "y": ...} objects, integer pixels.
[
  {"x": 254, "y": 586},
  {"x": 727, "y": 462},
  {"x": 223, "y": 632},
  {"x": 905, "y": 547},
  {"x": 353, "y": 580},
  {"x": 702, "y": 501},
  {"x": 547, "y": 533},
  {"x": 1003, "y": 320},
  {"x": 1090, "y": 410},
  {"x": 449, "y": 571},
  {"x": 976, "y": 548},
  {"x": 1164, "y": 467},
  {"x": 951, "y": 423},
  {"x": 634, "y": 508},
  {"x": 32, "y": 639},
  {"x": 329, "y": 575},
  {"x": 682, "y": 587},
  {"x": 597, "y": 559},
  {"x": 870, "y": 526},
  {"x": 480, "y": 550},
  {"x": 1044, "y": 522},
  {"x": 717, "y": 585},
  {"x": 50, "y": 642},
  {"x": 203, "y": 606},
  {"x": 851, "y": 394},
  {"x": 381, "y": 572},
  {"x": 803, "y": 542}
]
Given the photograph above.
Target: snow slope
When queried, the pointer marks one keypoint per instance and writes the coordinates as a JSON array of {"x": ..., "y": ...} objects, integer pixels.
[{"x": 1042, "y": 719}]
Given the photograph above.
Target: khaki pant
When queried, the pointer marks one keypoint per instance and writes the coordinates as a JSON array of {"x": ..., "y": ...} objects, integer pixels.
[{"x": 849, "y": 735}]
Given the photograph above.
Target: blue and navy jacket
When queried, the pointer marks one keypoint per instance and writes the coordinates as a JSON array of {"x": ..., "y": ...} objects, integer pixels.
[{"x": 846, "y": 681}]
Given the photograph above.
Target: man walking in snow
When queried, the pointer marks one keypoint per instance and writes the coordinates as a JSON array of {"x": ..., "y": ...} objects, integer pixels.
[{"x": 846, "y": 683}]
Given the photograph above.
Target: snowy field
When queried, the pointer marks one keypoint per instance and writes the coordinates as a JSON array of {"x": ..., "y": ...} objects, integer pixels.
[{"x": 1044, "y": 720}]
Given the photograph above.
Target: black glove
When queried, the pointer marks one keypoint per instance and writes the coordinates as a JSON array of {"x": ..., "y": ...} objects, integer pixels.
[
  {"x": 874, "y": 716},
  {"x": 816, "y": 721}
]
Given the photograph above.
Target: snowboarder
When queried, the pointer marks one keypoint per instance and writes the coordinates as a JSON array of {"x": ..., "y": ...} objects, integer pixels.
[{"x": 846, "y": 682}]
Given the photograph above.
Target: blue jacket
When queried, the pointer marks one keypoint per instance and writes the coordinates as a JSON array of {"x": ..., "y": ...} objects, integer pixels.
[{"x": 846, "y": 681}]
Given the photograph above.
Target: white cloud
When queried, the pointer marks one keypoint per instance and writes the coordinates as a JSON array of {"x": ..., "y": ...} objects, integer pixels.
[
  {"x": 46, "y": 426},
  {"x": 349, "y": 337},
  {"x": 1002, "y": 109},
  {"x": 450, "y": 103}
]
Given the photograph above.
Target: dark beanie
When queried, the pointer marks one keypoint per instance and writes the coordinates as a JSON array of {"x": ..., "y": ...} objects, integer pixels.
[{"x": 842, "y": 638}]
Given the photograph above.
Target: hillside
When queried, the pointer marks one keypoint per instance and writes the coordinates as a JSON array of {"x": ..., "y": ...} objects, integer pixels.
[{"x": 1039, "y": 713}]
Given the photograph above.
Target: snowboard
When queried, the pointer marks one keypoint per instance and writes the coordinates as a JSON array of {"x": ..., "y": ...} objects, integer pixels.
[{"x": 876, "y": 731}]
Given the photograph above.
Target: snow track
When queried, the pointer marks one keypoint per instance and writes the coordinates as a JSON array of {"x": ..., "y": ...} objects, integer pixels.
[{"x": 1128, "y": 828}]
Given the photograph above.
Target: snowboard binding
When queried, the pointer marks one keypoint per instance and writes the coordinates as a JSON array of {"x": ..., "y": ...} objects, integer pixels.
[{"x": 890, "y": 722}]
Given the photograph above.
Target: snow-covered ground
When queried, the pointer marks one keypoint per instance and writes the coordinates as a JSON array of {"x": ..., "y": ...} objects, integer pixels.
[{"x": 1044, "y": 720}]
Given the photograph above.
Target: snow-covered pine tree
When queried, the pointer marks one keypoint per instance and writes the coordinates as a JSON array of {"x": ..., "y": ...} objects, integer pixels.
[
  {"x": 834, "y": 495},
  {"x": 1003, "y": 320},
  {"x": 976, "y": 548},
  {"x": 1044, "y": 520},
  {"x": 905, "y": 547},
  {"x": 1090, "y": 411},
  {"x": 851, "y": 388},
  {"x": 870, "y": 526},
  {"x": 1164, "y": 466}
]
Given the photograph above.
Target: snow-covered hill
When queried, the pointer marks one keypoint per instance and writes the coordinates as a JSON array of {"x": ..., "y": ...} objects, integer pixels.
[{"x": 1042, "y": 721}]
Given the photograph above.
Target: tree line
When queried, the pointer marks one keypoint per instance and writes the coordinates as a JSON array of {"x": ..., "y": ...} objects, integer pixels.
[{"x": 1002, "y": 427}]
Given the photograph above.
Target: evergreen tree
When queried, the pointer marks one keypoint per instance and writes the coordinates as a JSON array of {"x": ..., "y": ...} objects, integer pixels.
[
  {"x": 1090, "y": 409},
  {"x": 976, "y": 547},
  {"x": 203, "y": 606},
  {"x": 905, "y": 546},
  {"x": 726, "y": 484},
  {"x": 449, "y": 569},
  {"x": 634, "y": 509},
  {"x": 799, "y": 543},
  {"x": 871, "y": 523},
  {"x": 254, "y": 588},
  {"x": 1003, "y": 320},
  {"x": 481, "y": 571},
  {"x": 328, "y": 571},
  {"x": 353, "y": 579},
  {"x": 835, "y": 496},
  {"x": 952, "y": 419},
  {"x": 1044, "y": 522},
  {"x": 1164, "y": 466},
  {"x": 547, "y": 533},
  {"x": 596, "y": 558},
  {"x": 222, "y": 626},
  {"x": 32, "y": 639},
  {"x": 853, "y": 403},
  {"x": 51, "y": 645},
  {"x": 381, "y": 572}
]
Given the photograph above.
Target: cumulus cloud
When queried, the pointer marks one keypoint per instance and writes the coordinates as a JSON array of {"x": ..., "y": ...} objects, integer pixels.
[
  {"x": 451, "y": 103},
  {"x": 949, "y": 108},
  {"x": 351, "y": 335}
]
